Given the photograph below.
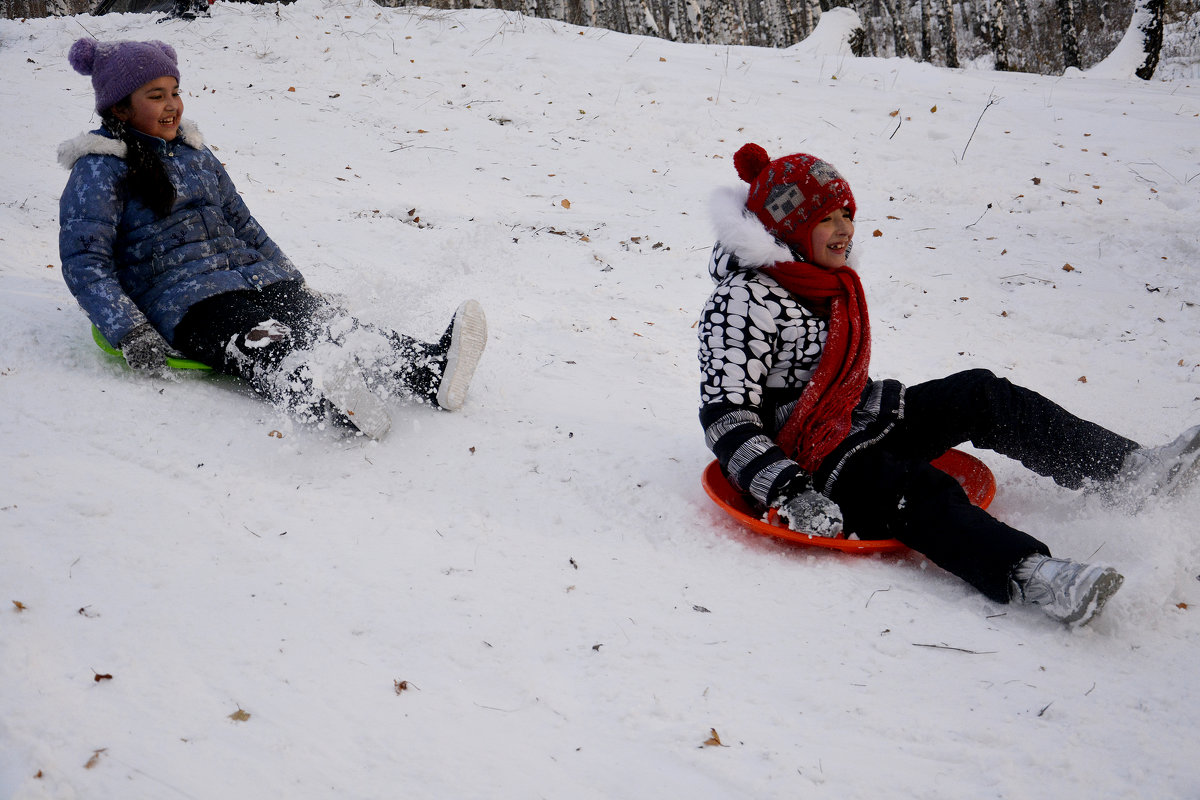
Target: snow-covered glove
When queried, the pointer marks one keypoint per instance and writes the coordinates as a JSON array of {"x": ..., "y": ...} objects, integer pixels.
[
  {"x": 145, "y": 349},
  {"x": 811, "y": 512}
]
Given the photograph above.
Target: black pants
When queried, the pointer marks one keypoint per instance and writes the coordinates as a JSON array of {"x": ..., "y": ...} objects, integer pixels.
[
  {"x": 890, "y": 490},
  {"x": 218, "y": 332}
]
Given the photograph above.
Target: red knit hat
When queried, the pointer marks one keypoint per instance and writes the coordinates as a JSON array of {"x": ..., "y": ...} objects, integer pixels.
[{"x": 792, "y": 194}]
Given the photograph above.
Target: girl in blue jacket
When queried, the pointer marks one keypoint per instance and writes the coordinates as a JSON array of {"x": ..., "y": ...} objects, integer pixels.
[
  {"x": 798, "y": 425},
  {"x": 165, "y": 258}
]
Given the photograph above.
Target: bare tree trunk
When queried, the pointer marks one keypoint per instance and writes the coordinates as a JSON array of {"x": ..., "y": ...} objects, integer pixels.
[
  {"x": 731, "y": 23},
  {"x": 778, "y": 22},
  {"x": 757, "y": 22},
  {"x": 611, "y": 14},
  {"x": 1023, "y": 11},
  {"x": 799, "y": 19},
  {"x": 1151, "y": 28},
  {"x": 926, "y": 31},
  {"x": 1000, "y": 37},
  {"x": 812, "y": 15},
  {"x": 721, "y": 23},
  {"x": 1070, "y": 36},
  {"x": 574, "y": 13},
  {"x": 668, "y": 16},
  {"x": 945, "y": 15},
  {"x": 694, "y": 16},
  {"x": 900, "y": 37}
]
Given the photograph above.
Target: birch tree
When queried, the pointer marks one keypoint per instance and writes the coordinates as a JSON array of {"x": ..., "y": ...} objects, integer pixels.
[
  {"x": 900, "y": 38},
  {"x": 1070, "y": 36},
  {"x": 945, "y": 15},
  {"x": 1148, "y": 17},
  {"x": 926, "y": 31},
  {"x": 999, "y": 36}
]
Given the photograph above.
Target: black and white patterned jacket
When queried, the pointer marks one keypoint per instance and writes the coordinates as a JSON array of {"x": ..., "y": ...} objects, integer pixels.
[{"x": 759, "y": 346}]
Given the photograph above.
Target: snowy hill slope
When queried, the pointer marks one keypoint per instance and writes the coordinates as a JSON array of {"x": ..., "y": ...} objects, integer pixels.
[{"x": 533, "y": 597}]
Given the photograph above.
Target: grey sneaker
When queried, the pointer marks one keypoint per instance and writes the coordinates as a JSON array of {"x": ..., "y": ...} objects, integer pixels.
[
  {"x": 461, "y": 346},
  {"x": 1158, "y": 471},
  {"x": 1068, "y": 591}
]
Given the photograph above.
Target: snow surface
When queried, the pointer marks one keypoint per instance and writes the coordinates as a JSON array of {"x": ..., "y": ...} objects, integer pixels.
[{"x": 533, "y": 597}]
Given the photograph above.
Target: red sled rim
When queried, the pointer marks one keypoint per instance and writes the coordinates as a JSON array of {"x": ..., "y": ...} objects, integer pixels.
[{"x": 971, "y": 473}]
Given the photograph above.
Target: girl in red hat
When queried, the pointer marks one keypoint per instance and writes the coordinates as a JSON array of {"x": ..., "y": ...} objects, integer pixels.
[{"x": 798, "y": 425}]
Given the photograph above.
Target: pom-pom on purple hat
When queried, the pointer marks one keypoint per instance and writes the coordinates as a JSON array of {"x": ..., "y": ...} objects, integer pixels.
[{"x": 117, "y": 68}]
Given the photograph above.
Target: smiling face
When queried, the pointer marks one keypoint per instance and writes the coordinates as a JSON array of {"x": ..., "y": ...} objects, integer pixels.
[
  {"x": 831, "y": 239},
  {"x": 154, "y": 108}
]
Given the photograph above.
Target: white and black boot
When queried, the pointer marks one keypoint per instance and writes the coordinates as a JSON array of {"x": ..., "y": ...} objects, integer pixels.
[
  {"x": 1158, "y": 471},
  {"x": 440, "y": 373},
  {"x": 1068, "y": 591},
  {"x": 347, "y": 392}
]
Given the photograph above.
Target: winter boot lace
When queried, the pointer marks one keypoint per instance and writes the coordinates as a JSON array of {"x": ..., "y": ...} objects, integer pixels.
[{"x": 1068, "y": 591}]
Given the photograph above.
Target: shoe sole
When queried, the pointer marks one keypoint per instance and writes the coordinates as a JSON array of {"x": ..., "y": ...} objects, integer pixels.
[
  {"x": 1099, "y": 593},
  {"x": 346, "y": 390},
  {"x": 468, "y": 337}
]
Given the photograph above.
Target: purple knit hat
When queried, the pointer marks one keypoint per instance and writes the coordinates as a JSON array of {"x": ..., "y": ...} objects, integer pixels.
[{"x": 117, "y": 68}]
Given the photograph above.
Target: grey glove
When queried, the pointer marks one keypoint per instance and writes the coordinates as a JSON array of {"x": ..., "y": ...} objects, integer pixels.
[
  {"x": 811, "y": 512},
  {"x": 145, "y": 349}
]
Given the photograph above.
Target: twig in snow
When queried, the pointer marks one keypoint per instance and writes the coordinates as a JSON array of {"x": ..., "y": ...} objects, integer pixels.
[
  {"x": 959, "y": 649},
  {"x": 877, "y": 591},
  {"x": 1043, "y": 711},
  {"x": 724, "y": 72},
  {"x": 89, "y": 33},
  {"x": 981, "y": 216},
  {"x": 992, "y": 100}
]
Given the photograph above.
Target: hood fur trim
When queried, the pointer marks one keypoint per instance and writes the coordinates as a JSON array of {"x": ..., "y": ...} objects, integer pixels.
[
  {"x": 87, "y": 144},
  {"x": 741, "y": 233}
]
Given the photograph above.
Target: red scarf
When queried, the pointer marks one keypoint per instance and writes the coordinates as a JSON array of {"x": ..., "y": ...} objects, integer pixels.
[{"x": 821, "y": 419}]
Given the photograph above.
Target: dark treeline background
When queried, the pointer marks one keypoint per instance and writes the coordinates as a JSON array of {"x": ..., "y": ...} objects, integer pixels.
[{"x": 1041, "y": 36}]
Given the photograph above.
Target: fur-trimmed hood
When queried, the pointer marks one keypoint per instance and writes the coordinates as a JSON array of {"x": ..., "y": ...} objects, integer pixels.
[
  {"x": 100, "y": 143},
  {"x": 741, "y": 237}
]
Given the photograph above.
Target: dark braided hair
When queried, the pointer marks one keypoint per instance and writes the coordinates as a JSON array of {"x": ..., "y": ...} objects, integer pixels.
[{"x": 147, "y": 177}]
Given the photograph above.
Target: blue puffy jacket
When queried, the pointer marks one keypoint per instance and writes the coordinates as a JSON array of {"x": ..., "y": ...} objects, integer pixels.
[{"x": 126, "y": 266}]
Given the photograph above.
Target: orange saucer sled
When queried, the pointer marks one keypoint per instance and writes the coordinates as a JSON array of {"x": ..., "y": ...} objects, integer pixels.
[{"x": 974, "y": 476}]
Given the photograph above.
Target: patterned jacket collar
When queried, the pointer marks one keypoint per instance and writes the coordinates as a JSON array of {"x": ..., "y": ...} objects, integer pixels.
[{"x": 102, "y": 142}]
